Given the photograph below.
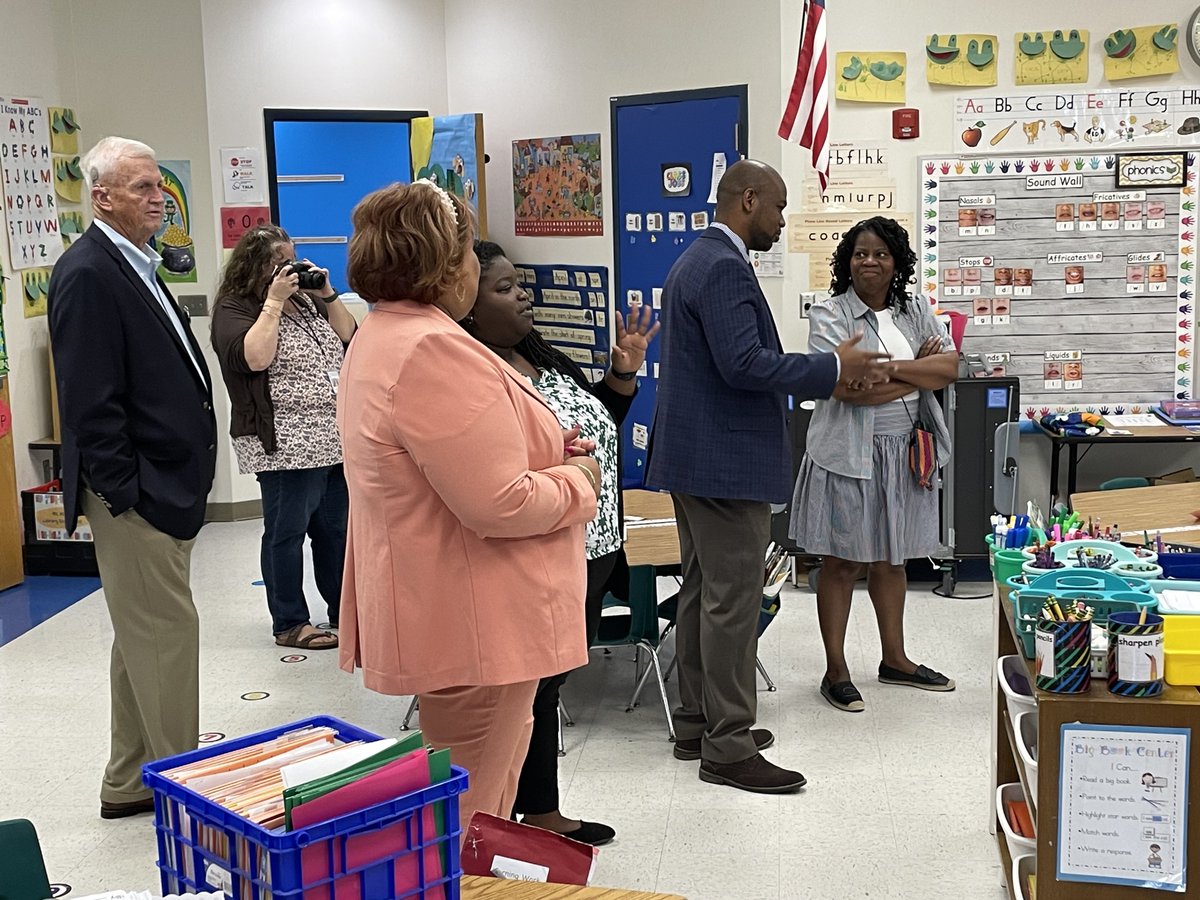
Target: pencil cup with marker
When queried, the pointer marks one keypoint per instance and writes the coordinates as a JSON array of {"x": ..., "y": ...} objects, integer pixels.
[
  {"x": 1135, "y": 654},
  {"x": 1063, "y": 648}
]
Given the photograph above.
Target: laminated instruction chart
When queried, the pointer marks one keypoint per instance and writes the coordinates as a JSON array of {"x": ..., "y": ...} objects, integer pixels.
[
  {"x": 1080, "y": 284},
  {"x": 1123, "y": 805},
  {"x": 570, "y": 310}
]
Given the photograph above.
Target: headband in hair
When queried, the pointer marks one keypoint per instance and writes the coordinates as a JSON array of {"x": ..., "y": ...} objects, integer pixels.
[{"x": 443, "y": 197}]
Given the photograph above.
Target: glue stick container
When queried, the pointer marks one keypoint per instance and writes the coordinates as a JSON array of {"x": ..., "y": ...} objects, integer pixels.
[
  {"x": 1135, "y": 654},
  {"x": 1063, "y": 656}
]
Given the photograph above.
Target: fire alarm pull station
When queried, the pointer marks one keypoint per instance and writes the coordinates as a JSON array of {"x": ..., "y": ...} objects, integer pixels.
[{"x": 906, "y": 123}]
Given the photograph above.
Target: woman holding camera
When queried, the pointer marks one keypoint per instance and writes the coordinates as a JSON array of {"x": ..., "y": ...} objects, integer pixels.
[{"x": 280, "y": 333}]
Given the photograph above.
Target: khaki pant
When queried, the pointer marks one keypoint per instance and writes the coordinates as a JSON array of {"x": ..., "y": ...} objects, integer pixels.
[
  {"x": 487, "y": 730},
  {"x": 154, "y": 676}
]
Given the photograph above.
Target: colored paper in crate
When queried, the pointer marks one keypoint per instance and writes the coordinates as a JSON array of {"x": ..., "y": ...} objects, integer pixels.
[
  {"x": 304, "y": 793},
  {"x": 396, "y": 779}
]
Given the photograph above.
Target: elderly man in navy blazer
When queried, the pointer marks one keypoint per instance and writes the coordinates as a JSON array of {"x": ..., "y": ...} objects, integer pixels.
[
  {"x": 720, "y": 446},
  {"x": 139, "y": 449}
]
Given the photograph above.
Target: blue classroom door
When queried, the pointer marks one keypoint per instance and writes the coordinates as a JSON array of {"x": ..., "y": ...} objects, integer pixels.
[
  {"x": 321, "y": 170},
  {"x": 654, "y": 136}
]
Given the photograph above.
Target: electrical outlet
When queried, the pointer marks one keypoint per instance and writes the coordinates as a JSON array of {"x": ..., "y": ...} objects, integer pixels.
[
  {"x": 807, "y": 299},
  {"x": 194, "y": 304}
]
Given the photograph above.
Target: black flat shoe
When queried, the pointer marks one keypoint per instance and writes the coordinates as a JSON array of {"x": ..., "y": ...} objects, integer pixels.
[
  {"x": 843, "y": 695},
  {"x": 924, "y": 678},
  {"x": 591, "y": 833}
]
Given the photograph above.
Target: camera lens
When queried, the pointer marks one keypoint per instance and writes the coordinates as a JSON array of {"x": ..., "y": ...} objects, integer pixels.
[{"x": 307, "y": 277}]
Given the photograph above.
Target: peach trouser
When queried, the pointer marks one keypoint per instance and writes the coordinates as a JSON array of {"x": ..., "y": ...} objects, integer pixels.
[{"x": 487, "y": 730}]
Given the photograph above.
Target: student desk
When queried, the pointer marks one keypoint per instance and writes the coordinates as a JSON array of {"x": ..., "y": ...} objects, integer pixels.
[
  {"x": 1155, "y": 434},
  {"x": 475, "y": 887},
  {"x": 655, "y": 544},
  {"x": 1165, "y": 508}
]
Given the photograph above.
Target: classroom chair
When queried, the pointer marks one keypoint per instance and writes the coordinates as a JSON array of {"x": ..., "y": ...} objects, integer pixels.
[
  {"x": 23, "y": 871},
  {"x": 667, "y": 610},
  {"x": 638, "y": 628}
]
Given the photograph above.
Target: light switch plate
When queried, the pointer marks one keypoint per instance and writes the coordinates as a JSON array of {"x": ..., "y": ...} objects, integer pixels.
[{"x": 194, "y": 304}]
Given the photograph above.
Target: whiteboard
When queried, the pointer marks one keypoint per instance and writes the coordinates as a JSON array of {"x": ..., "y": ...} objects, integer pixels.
[{"x": 1084, "y": 292}]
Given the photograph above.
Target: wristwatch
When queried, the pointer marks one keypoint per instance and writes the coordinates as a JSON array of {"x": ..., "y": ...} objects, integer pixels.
[
  {"x": 331, "y": 297},
  {"x": 623, "y": 376}
]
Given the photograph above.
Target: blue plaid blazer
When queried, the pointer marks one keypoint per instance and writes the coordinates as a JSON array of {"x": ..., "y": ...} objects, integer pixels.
[{"x": 720, "y": 427}]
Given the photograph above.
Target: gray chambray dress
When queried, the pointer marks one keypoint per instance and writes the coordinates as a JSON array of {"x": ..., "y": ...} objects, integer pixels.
[{"x": 856, "y": 497}]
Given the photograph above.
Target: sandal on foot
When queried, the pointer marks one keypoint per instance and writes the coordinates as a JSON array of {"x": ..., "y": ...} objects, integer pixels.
[
  {"x": 843, "y": 695},
  {"x": 315, "y": 640},
  {"x": 924, "y": 678}
]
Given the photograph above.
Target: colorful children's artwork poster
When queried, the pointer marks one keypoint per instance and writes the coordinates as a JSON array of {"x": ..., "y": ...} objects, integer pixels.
[
  {"x": 31, "y": 209},
  {"x": 1052, "y": 57},
  {"x": 35, "y": 287},
  {"x": 173, "y": 240},
  {"x": 557, "y": 186},
  {"x": 1141, "y": 52},
  {"x": 448, "y": 150},
  {"x": 70, "y": 225},
  {"x": 871, "y": 77},
  {"x": 64, "y": 131},
  {"x": 968, "y": 60},
  {"x": 68, "y": 179}
]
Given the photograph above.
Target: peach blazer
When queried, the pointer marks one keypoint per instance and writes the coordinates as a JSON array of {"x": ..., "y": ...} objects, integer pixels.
[{"x": 464, "y": 550}]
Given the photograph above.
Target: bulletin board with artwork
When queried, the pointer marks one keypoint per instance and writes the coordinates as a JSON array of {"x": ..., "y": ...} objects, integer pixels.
[
  {"x": 1077, "y": 273},
  {"x": 570, "y": 310},
  {"x": 557, "y": 186}
]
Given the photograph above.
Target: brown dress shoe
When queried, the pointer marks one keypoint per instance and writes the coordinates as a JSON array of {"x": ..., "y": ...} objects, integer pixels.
[
  {"x": 691, "y": 749},
  {"x": 754, "y": 774},
  {"x": 124, "y": 810}
]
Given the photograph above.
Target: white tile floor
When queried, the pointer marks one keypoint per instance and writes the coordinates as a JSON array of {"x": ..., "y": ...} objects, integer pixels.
[{"x": 896, "y": 806}]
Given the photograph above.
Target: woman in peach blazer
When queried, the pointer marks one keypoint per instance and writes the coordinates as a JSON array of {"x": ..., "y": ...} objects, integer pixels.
[{"x": 464, "y": 570}]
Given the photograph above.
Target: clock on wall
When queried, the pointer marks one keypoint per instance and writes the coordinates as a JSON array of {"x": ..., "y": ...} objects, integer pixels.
[{"x": 1193, "y": 36}]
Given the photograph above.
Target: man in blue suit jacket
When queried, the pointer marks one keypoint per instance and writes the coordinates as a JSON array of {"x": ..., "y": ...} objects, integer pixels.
[{"x": 720, "y": 446}]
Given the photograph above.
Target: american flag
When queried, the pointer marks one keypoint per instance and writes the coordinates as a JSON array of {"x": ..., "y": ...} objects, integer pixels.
[{"x": 806, "y": 117}]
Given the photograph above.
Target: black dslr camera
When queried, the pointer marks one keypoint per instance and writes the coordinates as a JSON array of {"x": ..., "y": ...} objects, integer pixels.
[{"x": 310, "y": 279}]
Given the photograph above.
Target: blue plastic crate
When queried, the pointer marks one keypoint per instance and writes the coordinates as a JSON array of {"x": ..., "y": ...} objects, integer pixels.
[{"x": 204, "y": 847}]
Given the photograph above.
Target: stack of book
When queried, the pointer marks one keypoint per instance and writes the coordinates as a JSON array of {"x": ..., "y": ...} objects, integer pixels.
[{"x": 1179, "y": 412}]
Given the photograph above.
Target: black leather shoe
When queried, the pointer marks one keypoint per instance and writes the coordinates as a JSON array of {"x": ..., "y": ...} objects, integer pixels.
[
  {"x": 691, "y": 749},
  {"x": 591, "y": 833},
  {"x": 754, "y": 774},
  {"x": 124, "y": 810}
]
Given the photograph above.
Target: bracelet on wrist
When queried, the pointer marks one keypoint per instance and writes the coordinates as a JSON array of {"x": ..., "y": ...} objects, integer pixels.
[
  {"x": 330, "y": 298},
  {"x": 588, "y": 472},
  {"x": 623, "y": 376}
]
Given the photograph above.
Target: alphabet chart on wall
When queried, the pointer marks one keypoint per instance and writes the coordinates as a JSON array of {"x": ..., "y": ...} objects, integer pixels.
[
  {"x": 1082, "y": 288},
  {"x": 30, "y": 208}
]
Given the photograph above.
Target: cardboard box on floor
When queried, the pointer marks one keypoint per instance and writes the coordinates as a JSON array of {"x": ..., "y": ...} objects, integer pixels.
[{"x": 1165, "y": 508}]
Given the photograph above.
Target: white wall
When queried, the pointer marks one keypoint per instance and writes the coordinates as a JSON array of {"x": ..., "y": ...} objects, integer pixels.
[
  {"x": 33, "y": 42},
  {"x": 871, "y": 26},
  {"x": 312, "y": 54},
  {"x": 540, "y": 68},
  {"x": 161, "y": 100}
]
